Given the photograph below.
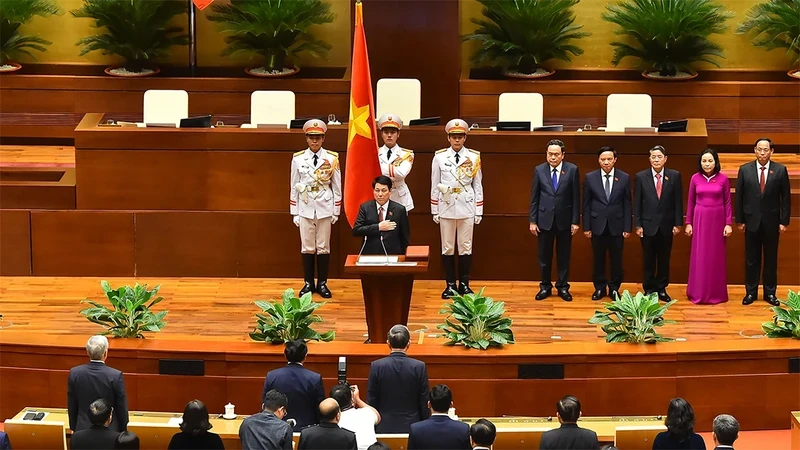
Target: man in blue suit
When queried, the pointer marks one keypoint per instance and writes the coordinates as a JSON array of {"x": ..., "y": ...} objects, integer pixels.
[
  {"x": 439, "y": 432},
  {"x": 302, "y": 387},
  {"x": 555, "y": 216},
  {"x": 398, "y": 385},
  {"x": 607, "y": 220}
]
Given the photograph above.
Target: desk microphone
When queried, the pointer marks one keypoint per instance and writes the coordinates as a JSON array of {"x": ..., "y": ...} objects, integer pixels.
[
  {"x": 384, "y": 250},
  {"x": 362, "y": 249}
]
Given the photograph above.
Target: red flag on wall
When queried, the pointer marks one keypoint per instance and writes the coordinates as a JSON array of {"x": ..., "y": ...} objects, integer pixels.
[
  {"x": 362, "y": 164},
  {"x": 202, "y": 4}
]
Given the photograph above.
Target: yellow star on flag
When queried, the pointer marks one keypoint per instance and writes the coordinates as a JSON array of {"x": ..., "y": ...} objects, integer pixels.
[{"x": 358, "y": 121}]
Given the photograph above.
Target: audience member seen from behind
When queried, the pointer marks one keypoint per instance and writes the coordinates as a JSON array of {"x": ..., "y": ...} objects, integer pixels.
[
  {"x": 379, "y": 446},
  {"x": 357, "y": 416},
  {"x": 98, "y": 436},
  {"x": 482, "y": 434},
  {"x": 303, "y": 387},
  {"x": 439, "y": 432},
  {"x": 94, "y": 380},
  {"x": 569, "y": 436},
  {"x": 680, "y": 433},
  {"x": 194, "y": 430},
  {"x": 609, "y": 447},
  {"x": 398, "y": 385},
  {"x": 267, "y": 430},
  {"x": 127, "y": 440},
  {"x": 726, "y": 430},
  {"x": 327, "y": 435}
]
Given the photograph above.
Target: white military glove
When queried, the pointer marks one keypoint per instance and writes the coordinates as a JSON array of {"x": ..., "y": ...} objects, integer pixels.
[
  {"x": 436, "y": 218},
  {"x": 296, "y": 220},
  {"x": 334, "y": 219},
  {"x": 478, "y": 219}
]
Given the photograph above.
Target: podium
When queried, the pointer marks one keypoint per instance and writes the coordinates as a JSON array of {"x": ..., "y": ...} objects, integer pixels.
[{"x": 387, "y": 288}]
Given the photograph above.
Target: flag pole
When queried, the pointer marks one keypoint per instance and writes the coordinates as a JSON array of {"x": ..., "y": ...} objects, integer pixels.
[{"x": 192, "y": 37}]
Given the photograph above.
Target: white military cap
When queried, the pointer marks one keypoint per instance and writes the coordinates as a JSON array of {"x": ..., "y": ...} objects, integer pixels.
[
  {"x": 315, "y": 126},
  {"x": 390, "y": 120},
  {"x": 456, "y": 126}
]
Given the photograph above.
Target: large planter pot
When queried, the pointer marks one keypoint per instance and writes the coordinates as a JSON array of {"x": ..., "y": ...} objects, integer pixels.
[
  {"x": 119, "y": 71},
  {"x": 653, "y": 75},
  {"x": 262, "y": 72},
  {"x": 794, "y": 73},
  {"x": 540, "y": 73},
  {"x": 10, "y": 67}
]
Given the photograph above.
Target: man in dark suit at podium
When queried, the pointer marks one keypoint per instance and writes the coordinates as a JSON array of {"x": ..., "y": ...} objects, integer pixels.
[
  {"x": 763, "y": 209},
  {"x": 383, "y": 223},
  {"x": 555, "y": 213},
  {"x": 658, "y": 215},
  {"x": 398, "y": 386}
]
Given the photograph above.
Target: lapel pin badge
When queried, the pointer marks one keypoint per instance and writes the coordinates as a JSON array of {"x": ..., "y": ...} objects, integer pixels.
[
  {"x": 563, "y": 173},
  {"x": 666, "y": 178},
  {"x": 771, "y": 172},
  {"x": 616, "y": 179}
]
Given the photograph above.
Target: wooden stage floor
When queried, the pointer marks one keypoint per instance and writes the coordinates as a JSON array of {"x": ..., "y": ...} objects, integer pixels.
[{"x": 222, "y": 309}]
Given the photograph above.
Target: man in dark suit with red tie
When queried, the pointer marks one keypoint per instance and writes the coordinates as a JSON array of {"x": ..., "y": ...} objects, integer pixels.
[
  {"x": 763, "y": 208},
  {"x": 554, "y": 216},
  {"x": 607, "y": 220},
  {"x": 658, "y": 215},
  {"x": 382, "y": 222}
]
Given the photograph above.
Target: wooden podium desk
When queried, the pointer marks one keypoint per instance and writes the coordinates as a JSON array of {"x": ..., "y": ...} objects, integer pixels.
[
  {"x": 387, "y": 289},
  {"x": 795, "y": 429}
]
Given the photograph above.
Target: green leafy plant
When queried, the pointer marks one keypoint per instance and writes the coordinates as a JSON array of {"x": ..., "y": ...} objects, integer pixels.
[
  {"x": 272, "y": 29},
  {"x": 633, "y": 319},
  {"x": 668, "y": 36},
  {"x": 14, "y": 14},
  {"x": 775, "y": 24},
  {"x": 522, "y": 35},
  {"x": 289, "y": 319},
  {"x": 785, "y": 322},
  {"x": 475, "y": 321},
  {"x": 130, "y": 314},
  {"x": 137, "y": 30}
]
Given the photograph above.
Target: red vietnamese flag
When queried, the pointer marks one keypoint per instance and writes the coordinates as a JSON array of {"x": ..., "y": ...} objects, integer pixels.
[
  {"x": 202, "y": 4},
  {"x": 362, "y": 164}
]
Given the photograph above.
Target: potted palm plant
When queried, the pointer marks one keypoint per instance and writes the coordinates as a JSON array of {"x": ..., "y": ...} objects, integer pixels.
[
  {"x": 668, "y": 36},
  {"x": 475, "y": 321},
  {"x": 13, "y": 43},
  {"x": 275, "y": 30},
  {"x": 139, "y": 31},
  {"x": 130, "y": 314},
  {"x": 633, "y": 319},
  {"x": 776, "y": 24},
  {"x": 521, "y": 36},
  {"x": 785, "y": 321},
  {"x": 289, "y": 319}
]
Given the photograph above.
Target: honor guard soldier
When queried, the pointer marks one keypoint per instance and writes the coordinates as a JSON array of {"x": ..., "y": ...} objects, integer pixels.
[
  {"x": 315, "y": 203},
  {"x": 456, "y": 203},
  {"x": 396, "y": 162}
]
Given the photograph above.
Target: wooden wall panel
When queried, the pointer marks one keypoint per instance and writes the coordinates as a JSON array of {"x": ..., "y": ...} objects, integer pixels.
[
  {"x": 15, "y": 243},
  {"x": 20, "y": 387},
  {"x": 82, "y": 243},
  {"x": 186, "y": 244},
  {"x": 172, "y": 392}
]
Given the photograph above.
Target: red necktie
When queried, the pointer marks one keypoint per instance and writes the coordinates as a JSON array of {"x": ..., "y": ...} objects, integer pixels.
[
  {"x": 658, "y": 185},
  {"x": 761, "y": 181},
  {"x": 380, "y": 214}
]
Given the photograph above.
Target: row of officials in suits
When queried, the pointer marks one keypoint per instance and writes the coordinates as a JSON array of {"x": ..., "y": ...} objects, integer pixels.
[
  {"x": 610, "y": 215},
  {"x": 399, "y": 400}
]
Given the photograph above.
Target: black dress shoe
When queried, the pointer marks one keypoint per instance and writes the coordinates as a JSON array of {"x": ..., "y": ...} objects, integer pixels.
[
  {"x": 772, "y": 299},
  {"x": 463, "y": 289},
  {"x": 664, "y": 297},
  {"x": 598, "y": 294},
  {"x": 449, "y": 290},
  {"x": 614, "y": 294},
  {"x": 308, "y": 287},
  {"x": 543, "y": 294},
  {"x": 748, "y": 299},
  {"x": 323, "y": 291},
  {"x": 565, "y": 295}
]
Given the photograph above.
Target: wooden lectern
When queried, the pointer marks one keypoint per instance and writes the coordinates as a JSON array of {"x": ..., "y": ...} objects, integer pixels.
[{"x": 387, "y": 289}]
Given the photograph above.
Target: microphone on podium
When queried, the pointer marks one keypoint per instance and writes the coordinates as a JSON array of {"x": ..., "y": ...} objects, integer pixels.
[
  {"x": 362, "y": 249},
  {"x": 384, "y": 250}
]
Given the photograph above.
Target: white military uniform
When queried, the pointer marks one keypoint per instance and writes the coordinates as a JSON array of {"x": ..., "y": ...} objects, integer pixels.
[
  {"x": 457, "y": 195},
  {"x": 397, "y": 163},
  {"x": 316, "y": 197}
]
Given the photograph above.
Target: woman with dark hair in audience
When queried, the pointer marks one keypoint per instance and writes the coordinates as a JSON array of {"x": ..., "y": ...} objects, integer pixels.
[
  {"x": 709, "y": 220},
  {"x": 680, "y": 433},
  {"x": 127, "y": 440},
  {"x": 194, "y": 430}
]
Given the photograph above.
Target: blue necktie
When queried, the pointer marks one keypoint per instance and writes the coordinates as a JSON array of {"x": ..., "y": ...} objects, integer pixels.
[{"x": 555, "y": 180}]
